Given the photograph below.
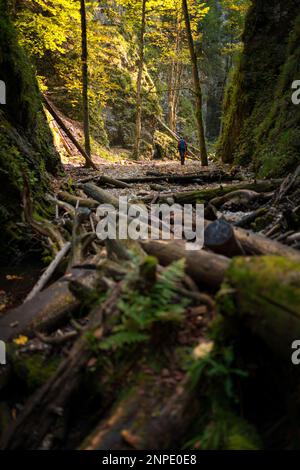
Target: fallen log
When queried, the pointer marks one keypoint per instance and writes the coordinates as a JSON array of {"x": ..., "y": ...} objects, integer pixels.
[
  {"x": 203, "y": 176},
  {"x": 117, "y": 183},
  {"x": 47, "y": 309},
  {"x": 264, "y": 292},
  {"x": 76, "y": 200},
  {"x": 205, "y": 195},
  {"x": 203, "y": 267},
  {"x": 241, "y": 197},
  {"x": 295, "y": 237},
  {"x": 99, "y": 195},
  {"x": 248, "y": 219},
  {"x": 256, "y": 244},
  {"x": 251, "y": 243},
  {"x": 219, "y": 237},
  {"x": 133, "y": 425},
  {"x": 88, "y": 160}
]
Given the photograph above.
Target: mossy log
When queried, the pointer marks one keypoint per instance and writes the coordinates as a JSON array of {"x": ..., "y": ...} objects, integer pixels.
[
  {"x": 264, "y": 293},
  {"x": 206, "y": 195},
  {"x": 248, "y": 219},
  {"x": 99, "y": 195},
  {"x": 241, "y": 197},
  {"x": 74, "y": 200}
]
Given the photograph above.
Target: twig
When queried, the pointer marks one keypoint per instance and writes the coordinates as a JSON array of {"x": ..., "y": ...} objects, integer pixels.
[{"x": 49, "y": 272}]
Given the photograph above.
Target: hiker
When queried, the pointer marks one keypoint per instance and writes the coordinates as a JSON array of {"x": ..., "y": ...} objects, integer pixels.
[{"x": 182, "y": 147}]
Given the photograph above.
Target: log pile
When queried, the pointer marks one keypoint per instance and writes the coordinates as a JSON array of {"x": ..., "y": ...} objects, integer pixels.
[{"x": 128, "y": 326}]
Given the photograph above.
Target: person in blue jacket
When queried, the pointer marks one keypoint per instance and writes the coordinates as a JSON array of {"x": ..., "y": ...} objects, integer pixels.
[{"x": 182, "y": 148}]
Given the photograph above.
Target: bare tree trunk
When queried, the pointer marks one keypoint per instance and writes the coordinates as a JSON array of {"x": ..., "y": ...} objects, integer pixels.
[
  {"x": 84, "y": 61},
  {"x": 197, "y": 86},
  {"x": 175, "y": 79},
  {"x": 173, "y": 93},
  {"x": 138, "y": 129}
]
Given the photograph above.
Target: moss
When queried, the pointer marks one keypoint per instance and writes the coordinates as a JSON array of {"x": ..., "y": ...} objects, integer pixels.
[
  {"x": 226, "y": 431},
  {"x": 25, "y": 139},
  {"x": 164, "y": 146},
  {"x": 261, "y": 124},
  {"x": 265, "y": 294},
  {"x": 34, "y": 370},
  {"x": 261, "y": 222}
]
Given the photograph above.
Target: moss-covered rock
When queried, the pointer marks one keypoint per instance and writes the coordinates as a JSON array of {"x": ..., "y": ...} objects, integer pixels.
[
  {"x": 261, "y": 124},
  {"x": 164, "y": 147}
]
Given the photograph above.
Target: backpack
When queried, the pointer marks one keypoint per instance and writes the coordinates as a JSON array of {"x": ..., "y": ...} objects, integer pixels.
[{"x": 182, "y": 144}]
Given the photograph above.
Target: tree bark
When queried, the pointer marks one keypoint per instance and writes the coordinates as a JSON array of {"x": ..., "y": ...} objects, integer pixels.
[
  {"x": 138, "y": 124},
  {"x": 197, "y": 86},
  {"x": 84, "y": 62}
]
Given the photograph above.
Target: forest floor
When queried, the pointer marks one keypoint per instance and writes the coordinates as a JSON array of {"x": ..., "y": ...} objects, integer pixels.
[{"x": 120, "y": 345}]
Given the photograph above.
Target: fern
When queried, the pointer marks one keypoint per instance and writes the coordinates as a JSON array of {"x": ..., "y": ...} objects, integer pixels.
[{"x": 139, "y": 312}]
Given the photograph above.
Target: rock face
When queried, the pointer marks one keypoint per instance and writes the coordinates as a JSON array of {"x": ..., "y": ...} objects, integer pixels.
[
  {"x": 261, "y": 124},
  {"x": 25, "y": 139}
]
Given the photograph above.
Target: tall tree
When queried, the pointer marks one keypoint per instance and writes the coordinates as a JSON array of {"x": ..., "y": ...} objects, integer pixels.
[
  {"x": 175, "y": 75},
  {"x": 197, "y": 85},
  {"x": 85, "y": 101},
  {"x": 138, "y": 124}
]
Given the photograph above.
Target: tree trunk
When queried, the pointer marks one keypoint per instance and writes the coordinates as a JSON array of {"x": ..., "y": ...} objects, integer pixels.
[
  {"x": 84, "y": 60},
  {"x": 138, "y": 125},
  {"x": 197, "y": 86},
  {"x": 175, "y": 79}
]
